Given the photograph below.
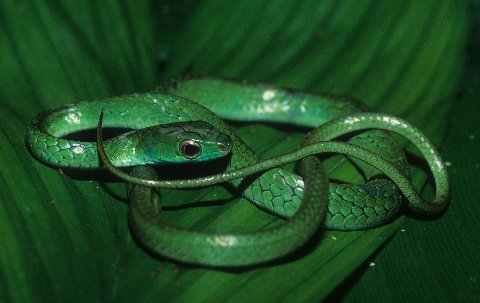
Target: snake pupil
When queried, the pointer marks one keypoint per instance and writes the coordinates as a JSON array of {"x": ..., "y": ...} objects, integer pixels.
[{"x": 190, "y": 149}]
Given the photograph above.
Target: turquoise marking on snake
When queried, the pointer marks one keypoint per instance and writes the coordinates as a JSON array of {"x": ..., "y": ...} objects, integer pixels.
[{"x": 350, "y": 207}]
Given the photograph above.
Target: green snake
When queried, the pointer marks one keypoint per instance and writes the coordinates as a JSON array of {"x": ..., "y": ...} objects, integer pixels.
[{"x": 169, "y": 127}]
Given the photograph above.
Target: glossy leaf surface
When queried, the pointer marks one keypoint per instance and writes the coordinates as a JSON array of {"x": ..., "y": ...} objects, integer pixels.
[{"x": 65, "y": 237}]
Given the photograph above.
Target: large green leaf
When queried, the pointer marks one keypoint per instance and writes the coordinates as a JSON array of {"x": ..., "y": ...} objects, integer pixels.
[
  {"x": 65, "y": 237},
  {"x": 439, "y": 257}
]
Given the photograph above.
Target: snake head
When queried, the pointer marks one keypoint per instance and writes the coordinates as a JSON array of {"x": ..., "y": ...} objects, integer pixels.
[
  {"x": 199, "y": 141},
  {"x": 184, "y": 142}
]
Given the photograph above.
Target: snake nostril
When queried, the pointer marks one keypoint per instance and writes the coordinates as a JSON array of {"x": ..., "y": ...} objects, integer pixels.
[{"x": 221, "y": 146}]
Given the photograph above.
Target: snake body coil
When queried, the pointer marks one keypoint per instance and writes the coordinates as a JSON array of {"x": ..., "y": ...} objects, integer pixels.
[{"x": 350, "y": 207}]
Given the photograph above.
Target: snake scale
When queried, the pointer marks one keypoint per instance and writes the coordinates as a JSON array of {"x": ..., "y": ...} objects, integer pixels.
[{"x": 169, "y": 127}]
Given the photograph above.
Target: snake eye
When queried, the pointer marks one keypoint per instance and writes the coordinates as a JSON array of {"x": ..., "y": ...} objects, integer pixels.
[{"x": 190, "y": 149}]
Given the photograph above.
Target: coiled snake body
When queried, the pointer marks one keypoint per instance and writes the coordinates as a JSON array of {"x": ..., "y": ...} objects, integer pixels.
[{"x": 174, "y": 129}]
